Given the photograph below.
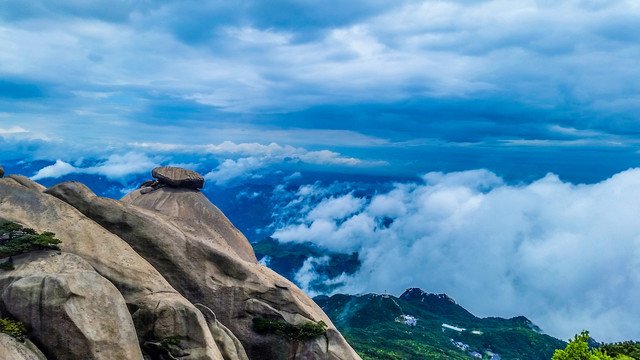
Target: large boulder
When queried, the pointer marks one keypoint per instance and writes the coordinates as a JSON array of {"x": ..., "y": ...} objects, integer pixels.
[
  {"x": 1, "y": 171},
  {"x": 204, "y": 220},
  {"x": 70, "y": 310},
  {"x": 12, "y": 349},
  {"x": 204, "y": 257},
  {"x": 157, "y": 309},
  {"x": 26, "y": 182},
  {"x": 178, "y": 177}
]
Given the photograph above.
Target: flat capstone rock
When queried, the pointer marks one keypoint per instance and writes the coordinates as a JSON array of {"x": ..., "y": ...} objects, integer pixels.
[{"x": 178, "y": 177}]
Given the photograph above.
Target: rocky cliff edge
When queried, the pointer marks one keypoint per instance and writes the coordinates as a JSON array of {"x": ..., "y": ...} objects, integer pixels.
[{"x": 160, "y": 274}]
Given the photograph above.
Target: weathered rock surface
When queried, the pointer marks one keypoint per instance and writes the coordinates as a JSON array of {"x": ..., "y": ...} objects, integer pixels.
[
  {"x": 71, "y": 311},
  {"x": 203, "y": 220},
  {"x": 178, "y": 177},
  {"x": 26, "y": 182},
  {"x": 158, "y": 310},
  {"x": 199, "y": 252},
  {"x": 156, "y": 240},
  {"x": 12, "y": 349}
]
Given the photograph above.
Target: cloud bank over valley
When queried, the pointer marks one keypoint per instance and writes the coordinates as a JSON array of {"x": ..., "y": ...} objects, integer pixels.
[{"x": 567, "y": 256}]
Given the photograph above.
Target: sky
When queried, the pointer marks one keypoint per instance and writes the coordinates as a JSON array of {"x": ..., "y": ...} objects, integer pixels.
[{"x": 486, "y": 101}]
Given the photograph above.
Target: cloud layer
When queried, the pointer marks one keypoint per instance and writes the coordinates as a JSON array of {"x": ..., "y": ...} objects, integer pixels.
[
  {"x": 427, "y": 85},
  {"x": 234, "y": 162},
  {"x": 567, "y": 256},
  {"x": 115, "y": 167}
]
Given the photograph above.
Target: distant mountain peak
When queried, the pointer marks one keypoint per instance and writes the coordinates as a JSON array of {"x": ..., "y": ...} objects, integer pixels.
[{"x": 419, "y": 295}]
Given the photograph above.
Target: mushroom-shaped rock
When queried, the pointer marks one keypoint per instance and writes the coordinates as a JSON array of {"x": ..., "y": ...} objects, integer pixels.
[
  {"x": 178, "y": 177},
  {"x": 1, "y": 171}
]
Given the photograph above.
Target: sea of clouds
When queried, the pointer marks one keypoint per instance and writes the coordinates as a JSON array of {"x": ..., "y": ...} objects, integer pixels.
[{"x": 567, "y": 256}]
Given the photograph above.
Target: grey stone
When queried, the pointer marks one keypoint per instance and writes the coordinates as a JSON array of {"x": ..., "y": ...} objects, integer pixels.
[
  {"x": 178, "y": 177},
  {"x": 209, "y": 261},
  {"x": 72, "y": 311},
  {"x": 157, "y": 309},
  {"x": 148, "y": 183},
  {"x": 12, "y": 349}
]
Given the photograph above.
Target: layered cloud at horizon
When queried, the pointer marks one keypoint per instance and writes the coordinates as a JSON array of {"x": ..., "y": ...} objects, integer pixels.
[
  {"x": 564, "y": 255},
  {"x": 219, "y": 163},
  {"x": 115, "y": 167}
]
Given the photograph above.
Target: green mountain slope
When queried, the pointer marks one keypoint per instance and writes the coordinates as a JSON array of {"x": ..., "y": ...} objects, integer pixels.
[{"x": 380, "y": 327}]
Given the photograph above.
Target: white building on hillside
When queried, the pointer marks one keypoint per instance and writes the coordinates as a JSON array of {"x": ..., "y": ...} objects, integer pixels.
[{"x": 451, "y": 327}]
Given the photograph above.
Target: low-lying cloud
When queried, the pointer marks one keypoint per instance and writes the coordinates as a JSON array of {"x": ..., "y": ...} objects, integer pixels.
[
  {"x": 220, "y": 163},
  {"x": 247, "y": 160},
  {"x": 115, "y": 167},
  {"x": 567, "y": 256}
]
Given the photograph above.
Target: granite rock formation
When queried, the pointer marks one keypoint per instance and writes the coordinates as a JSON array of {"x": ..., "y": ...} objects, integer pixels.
[
  {"x": 60, "y": 298},
  {"x": 177, "y": 264},
  {"x": 13, "y": 349},
  {"x": 178, "y": 177}
]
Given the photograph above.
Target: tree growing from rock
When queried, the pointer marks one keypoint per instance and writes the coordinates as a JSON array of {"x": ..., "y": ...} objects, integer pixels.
[
  {"x": 15, "y": 239},
  {"x": 578, "y": 349}
]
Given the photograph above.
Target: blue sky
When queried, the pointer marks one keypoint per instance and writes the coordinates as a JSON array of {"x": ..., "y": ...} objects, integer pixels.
[
  {"x": 421, "y": 92},
  {"x": 519, "y": 87}
]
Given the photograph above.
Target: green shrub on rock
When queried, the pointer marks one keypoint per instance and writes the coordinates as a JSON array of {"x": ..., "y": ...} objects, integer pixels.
[
  {"x": 306, "y": 331},
  {"x": 167, "y": 342},
  {"x": 15, "y": 239},
  {"x": 13, "y": 328},
  {"x": 628, "y": 349},
  {"x": 7, "y": 265}
]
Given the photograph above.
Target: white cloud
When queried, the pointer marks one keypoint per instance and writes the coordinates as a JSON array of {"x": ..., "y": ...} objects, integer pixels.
[
  {"x": 20, "y": 134},
  {"x": 329, "y": 158},
  {"x": 230, "y": 169},
  {"x": 307, "y": 273},
  {"x": 12, "y": 130},
  {"x": 115, "y": 167},
  {"x": 265, "y": 261},
  {"x": 308, "y": 277},
  {"x": 59, "y": 169},
  {"x": 236, "y": 160},
  {"x": 271, "y": 151},
  {"x": 336, "y": 208},
  {"x": 567, "y": 256},
  {"x": 244, "y": 160},
  {"x": 293, "y": 176},
  {"x": 414, "y": 48}
]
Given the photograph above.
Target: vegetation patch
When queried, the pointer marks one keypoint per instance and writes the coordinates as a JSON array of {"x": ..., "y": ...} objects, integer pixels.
[
  {"x": 368, "y": 322},
  {"x": 618, "y": 350},
  {"x": 306, "y": 331},
  {"x": 13, "y": 328},
  {"x": 15, "y": 239},
  {"x": 7, "y": 265},
  {"x": 168, "y": 342},
  {"x": 578, "y": 349},
  {"x": 167, "y": 348}
]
